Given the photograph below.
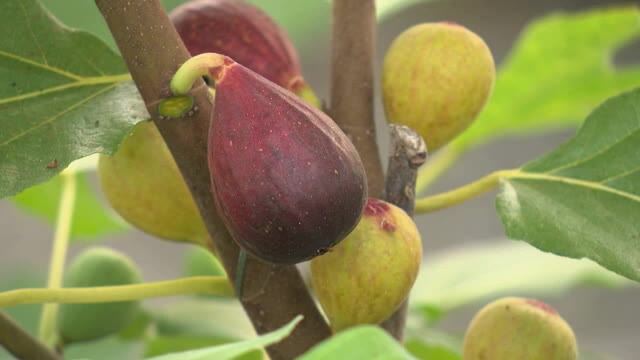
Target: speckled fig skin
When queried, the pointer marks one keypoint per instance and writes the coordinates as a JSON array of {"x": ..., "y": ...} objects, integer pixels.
[
  {"x": 243, "y": 32},
  {"x": 436, "y": 79},
  {"x": 142, "y": 183},
  {"x": 519, "y": 328},
  {"x": 287, "y": 181},
  {"x": 368, "y": 275}
]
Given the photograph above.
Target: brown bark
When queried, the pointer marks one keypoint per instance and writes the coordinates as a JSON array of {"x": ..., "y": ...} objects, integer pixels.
[
  {"x": 408, "y": 152},
  {"x": 352, "y": 82},
  {"x": 21, "y": 344},
  {"x": 273, "y": 295}
]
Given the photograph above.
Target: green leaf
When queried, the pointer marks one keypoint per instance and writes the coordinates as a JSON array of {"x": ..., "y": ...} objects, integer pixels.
[
  {"x": 63, "y": 95},
  {"x": 210, "y": 317},
  {"x": 429, "y": 350},
  {"x": 91, "y": 217},
  {"x": 583, "y": 199},
  {"x": 559, "y": 70},
  {"x": 108, "y": 348},
  {"x": 451, "y": 279},
  {"x": 161, "y": 345},
  {"x": 230, "y": 351},
  {"x": 362, "y": 342}
]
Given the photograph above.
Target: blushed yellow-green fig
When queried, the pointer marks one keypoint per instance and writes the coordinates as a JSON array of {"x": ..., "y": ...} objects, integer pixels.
[
  {"x": 519, "y": 328},
  {"x": 97, "y": 266},
  {"x": 364, "y": 278},
  {"x": 436, "y": 78},
  {"x": 143, "y": 184}
]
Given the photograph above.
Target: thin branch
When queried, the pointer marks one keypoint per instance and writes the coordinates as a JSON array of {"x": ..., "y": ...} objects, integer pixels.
[
  {"x": 408, "y": 152},
  {"x": 215, "y": 285},
  {"x": 22, "y": 344},
  {"x": 352, "y": 82},
  {"x": 273, "y": 295}
]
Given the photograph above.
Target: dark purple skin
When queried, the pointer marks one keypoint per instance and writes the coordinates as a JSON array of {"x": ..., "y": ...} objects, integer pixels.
[
  {"x": 242, "y": 32},
  {"x": 287, "y": 181}
]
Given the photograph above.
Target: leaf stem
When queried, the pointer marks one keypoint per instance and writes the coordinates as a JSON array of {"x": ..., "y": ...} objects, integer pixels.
[
  {"x": 194, "y": 69},
  {"x": 216, "y": 285},
  {"x": 46, "y": 331},
  {"x": 463, "y": 193},
  {"x": 436, "y": 167}
]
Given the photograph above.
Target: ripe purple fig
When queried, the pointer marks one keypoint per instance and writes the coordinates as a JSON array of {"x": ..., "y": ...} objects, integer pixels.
[
  {"x": 366, "y": 277},
  {"x": 287, "y": 181},
  {"x": 244, "y": 33},
  {"x": 518, "y": 328}
]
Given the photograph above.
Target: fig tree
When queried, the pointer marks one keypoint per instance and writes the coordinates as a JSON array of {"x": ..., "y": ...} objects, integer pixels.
[
  {"x": 436, "y": 79},
  {"x": 519, "y": 328},
  {"x": 97, "y": 267},
  {"x": 364, "y": 278}
]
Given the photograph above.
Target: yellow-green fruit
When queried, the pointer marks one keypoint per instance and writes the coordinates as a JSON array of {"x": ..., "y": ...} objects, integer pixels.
[
  {"x": 436, "y": 78},
  {"x": 97, "y": 267},
  {"x": 364, "y": 278},
  {"x": 518, "y": 328},
  {"x": 143, "y": 184}
]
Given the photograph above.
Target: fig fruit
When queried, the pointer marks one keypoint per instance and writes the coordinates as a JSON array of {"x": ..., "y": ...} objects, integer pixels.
[
  {"x": 143, "y": 184},
  {"x": 97, "y": 267},
  {"x": 247, "y": 35},
  {"x": 436, "y": 78},
  {"x": 369, "y": 274},
  {"x": 287, "y": 181},
  {"x": 201, "y": 262},
  {"x": 519, "y": 328}
]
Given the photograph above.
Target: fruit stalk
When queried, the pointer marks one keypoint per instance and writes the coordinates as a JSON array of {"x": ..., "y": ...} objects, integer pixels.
[
  {"x": 352, "y": 82},
  {"x": 408, "y": 152},
  {"x": 274, "y": 294},
  {"x": 20, "y": 343}
]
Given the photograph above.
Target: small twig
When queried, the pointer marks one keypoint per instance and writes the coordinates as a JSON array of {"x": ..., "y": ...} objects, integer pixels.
[
  {"x": 408, "y": 151},
  {"x": 22, "y": 344},
  {"x": 153, "y": 51},
  {"x": 352, "y": 82},
  {"x": 216, "y": 285}
]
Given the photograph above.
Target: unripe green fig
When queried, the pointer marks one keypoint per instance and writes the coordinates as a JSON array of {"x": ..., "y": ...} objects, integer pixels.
[
  {"x": 369, "y": 274},
  {"x": 519, "y": 328},
  {"x": 436, "y": 78},
  {"x": 143, "y": 184},
  {"x": 97, "y": 266},
  {"x": 246, "y": 34},
  {"x": 199, "y": 261},
  {"x": 288, "y": 183}
]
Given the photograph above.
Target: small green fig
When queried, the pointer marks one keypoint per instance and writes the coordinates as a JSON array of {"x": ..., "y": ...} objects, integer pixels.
[
  {"x": 519, "y": 328},
  {"x": 199, "y": 261},
  {"x": 436, "y": 79},
  {"x": 97, "y": 267},
  {"x": 364, "y": 278},
  {"x": 143, "y": 184}
]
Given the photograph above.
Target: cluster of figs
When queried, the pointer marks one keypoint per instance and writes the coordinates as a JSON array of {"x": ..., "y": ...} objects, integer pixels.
[{"x": 287, "y": 182}]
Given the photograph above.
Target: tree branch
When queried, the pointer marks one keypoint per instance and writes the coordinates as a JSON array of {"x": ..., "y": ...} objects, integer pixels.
[
  {"x": 273, "y": 295},
  {"x": 352, "y": 82},
  {"x": 21, "y": 344},
  {"x": 408, "y": 152}
]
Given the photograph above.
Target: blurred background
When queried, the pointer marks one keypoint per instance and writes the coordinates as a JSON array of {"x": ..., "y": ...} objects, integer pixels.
[{"x": 605, "y": 320}]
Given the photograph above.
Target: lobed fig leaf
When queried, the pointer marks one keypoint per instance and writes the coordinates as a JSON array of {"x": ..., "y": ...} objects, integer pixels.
[
  {"x": 436, "y": 79},
  {"x": 143, "y": 184},
  {"x": 519, "y": 328},
  {"x": 97, "y": 266},
  {"x": 287, "y": 181},
  {"x": 247, "y": 35},
  {"x": 369, "y": 274}
]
